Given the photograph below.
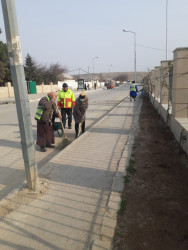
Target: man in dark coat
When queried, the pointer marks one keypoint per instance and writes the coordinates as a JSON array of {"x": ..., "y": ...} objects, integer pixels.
[
  {"x": 45, "y": 111},
  {"x": 79, "y": 112},
  {"x": 65, "y": 103}
]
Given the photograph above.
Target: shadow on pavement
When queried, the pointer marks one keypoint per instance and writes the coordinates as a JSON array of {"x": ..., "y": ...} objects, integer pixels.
[{"x": 80, "y": 176}]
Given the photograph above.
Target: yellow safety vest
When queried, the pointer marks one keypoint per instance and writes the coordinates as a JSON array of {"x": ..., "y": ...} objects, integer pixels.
[
  {"x": 133, "y": 88},
  {"x": 66, "y": 99},
  {"x": 40, "y": 111}
]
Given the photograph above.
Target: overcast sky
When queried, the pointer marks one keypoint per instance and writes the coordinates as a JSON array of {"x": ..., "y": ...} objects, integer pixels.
[{"x": 73, "y": 32}]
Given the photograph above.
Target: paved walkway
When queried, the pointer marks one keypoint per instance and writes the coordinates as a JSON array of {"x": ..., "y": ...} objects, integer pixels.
[{"x": 79, "y": 208}]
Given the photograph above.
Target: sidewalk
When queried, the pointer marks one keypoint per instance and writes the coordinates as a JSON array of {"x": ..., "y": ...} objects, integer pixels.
[{"x": 78, "y": 210}]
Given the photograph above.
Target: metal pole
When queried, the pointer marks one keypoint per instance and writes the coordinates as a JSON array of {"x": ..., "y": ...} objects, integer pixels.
[
  {"x": 166, "y": 29},
  {"x": 109, "y": 70},
  {"x": 93, "y": 64},
  {"x": 135, "y": 57},
  {"x": 20, "y": 92},
  {"x": 134, "y": 51}
]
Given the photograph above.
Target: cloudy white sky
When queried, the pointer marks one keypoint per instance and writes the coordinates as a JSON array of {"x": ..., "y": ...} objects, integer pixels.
[{"x": 72, "y": 32}]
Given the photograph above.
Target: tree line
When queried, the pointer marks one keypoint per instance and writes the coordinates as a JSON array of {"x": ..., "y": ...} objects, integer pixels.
[
  {"x": 37, "y": 72},
  {"x": 33, "y": 70}
]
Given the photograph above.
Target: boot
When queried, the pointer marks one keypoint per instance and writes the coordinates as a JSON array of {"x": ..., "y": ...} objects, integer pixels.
[
  {"x": 42, "y": 148},
  {"x": 50, "y": 146}
]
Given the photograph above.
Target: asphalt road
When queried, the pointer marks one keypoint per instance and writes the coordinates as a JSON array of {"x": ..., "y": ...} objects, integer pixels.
[{"x": 12, "y": 172}]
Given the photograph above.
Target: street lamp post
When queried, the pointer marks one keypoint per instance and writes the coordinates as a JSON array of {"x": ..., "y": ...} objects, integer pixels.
[
  {"x": 93, "y": 62},
  {"x": 134, "y": 51},
  {"x": 109, "y": 70},
  {"x": 166, "y": 28}
]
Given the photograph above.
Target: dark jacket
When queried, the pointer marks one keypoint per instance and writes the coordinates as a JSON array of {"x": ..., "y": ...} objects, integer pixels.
[
  {"x": 49, "y": 108},
  {"x": 79, "y": 110}
]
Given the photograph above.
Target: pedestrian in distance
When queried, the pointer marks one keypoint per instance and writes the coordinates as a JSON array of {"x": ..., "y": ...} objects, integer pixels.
[
  {"x": 85, "y": 86},
  {"x": 65, "y": 103},
  {"x": 95, "y": 85},
  {"x": 79, "y": 112},
  {"x": 45, "y": 111},
  {"x": 133, "y": 91},
  {"x": 88, "y": 87}
]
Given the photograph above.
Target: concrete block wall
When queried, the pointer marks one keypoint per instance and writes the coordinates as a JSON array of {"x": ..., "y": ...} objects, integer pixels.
[
  {"x": 152, "y": 87},
  {"x": 180, "y": 83},
  {"x": 157, "y": 82},
  {"x": 8, "y": 90},
  {"x": 4, "y": 92},
  {"x": 179, "y": 127},
  {"x": 164, "y": 93},
  {"x": 177, "y": 119}
]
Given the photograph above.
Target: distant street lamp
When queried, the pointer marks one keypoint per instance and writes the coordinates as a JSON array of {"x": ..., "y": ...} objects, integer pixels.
[
  {"x": 93, "y": 62},
  {"x": 134, "y": 52},
  {"x": 166, "y": 28}
]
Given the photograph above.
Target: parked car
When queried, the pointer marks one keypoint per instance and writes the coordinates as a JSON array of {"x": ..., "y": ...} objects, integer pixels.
[{"x": 110, "y": 86}]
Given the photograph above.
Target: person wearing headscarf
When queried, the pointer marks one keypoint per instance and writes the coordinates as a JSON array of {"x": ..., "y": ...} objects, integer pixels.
[
  {"x": 45, "y": 111},
  {"x": 79, "y": 112}
]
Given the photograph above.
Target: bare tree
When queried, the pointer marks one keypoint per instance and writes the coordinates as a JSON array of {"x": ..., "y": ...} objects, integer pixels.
[{"x": 121, "y": 78}]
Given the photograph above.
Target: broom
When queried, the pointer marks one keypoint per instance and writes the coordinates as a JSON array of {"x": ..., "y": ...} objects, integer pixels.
[
  {"x": 79, "y": 129},
  {"x": 63, "y": 129}
]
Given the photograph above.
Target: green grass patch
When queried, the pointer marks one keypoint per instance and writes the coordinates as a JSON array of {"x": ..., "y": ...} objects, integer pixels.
[
  {"x": 134, "y": 146},
  {"x": 131, "y": 162},
  {"x": 123, "y": 204},
  {"x": 122, "y": 225},
  {"x": 131, "y": 169},
  {"x": 126, "y": 178}
]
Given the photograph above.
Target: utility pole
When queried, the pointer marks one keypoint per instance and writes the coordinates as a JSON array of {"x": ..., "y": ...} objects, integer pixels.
[
  {"x": 134, "y": 52},
  {"x": 166, "y": 29},
  {"x": 79, "y": 73},
  {"x": 20, "y": 92}
]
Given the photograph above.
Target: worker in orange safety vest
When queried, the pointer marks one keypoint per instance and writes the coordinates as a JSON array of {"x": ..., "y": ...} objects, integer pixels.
[{"x": 66, "y": 102}]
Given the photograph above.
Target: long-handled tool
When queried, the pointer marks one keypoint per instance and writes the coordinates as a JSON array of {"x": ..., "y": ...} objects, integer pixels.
[
  {"x": 63, "y": 129},
  {"x": 79, "y": 129},
  {"x": 64, "y": 135}
]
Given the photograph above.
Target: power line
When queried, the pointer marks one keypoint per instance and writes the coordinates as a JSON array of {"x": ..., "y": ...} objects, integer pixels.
[{"x": 152, "y": 48}]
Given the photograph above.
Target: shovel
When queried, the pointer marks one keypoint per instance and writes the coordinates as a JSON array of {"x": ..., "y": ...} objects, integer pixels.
[
  {"x": 64, "y": 135},
  {"x": 63, "y": 129},
  {"x": 79, "y": 129}
]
